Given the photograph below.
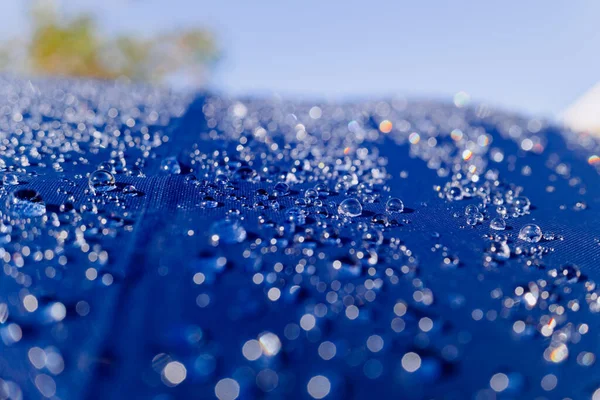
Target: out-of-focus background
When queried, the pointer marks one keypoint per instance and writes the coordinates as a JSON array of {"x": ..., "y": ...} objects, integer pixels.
[{"x": 533, "y": 57}]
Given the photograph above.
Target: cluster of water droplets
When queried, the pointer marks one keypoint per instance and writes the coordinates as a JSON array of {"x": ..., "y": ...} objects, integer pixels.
[
  {"x": 340, "y": 226},
  {"x": 297, "y": 201},
  {"x": 340, "y": 190},
  {"x": 59, "y": 240}
]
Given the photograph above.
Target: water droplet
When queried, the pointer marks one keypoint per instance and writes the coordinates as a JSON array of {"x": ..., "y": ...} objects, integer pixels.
[
  {"x": 244, "y": 173},
  {"x": 282, "y": 189},
  {"x": 261, "y": 194},
  {"x": 222, "y": 179},
  {"x": 301, "y": 202},
  {"x": 472, "y": 220},
  {"x": 454, "y": 193},
  {"x": 311, "y": 194},
  {"x": 10, "y": 179},
  {"x": 209, "y": 202},
  {"x": 107, "y": 166},
  {"x": 394, "y": 205},
  {"x": 26, "y": 203},
  {"x": 498, "y": 224},
  {"x": 135, "y": 171},
  {"x": 322, "y": 189},
  {"x": 101, "y": 181},
  {"x": 530, "y": 233},
  {"x": 350, "y": 208},
  {"x": 192, "y": 180},
  {"x": 521, "y": 204},
  {"x": 471, "y": 209},
  {"x": 380, "y": 219},
  {"x": 131, "y": 191}
]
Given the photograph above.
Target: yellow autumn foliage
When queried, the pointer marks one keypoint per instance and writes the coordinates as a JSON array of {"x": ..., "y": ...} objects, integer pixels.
[{"x": 75, "y": 47}]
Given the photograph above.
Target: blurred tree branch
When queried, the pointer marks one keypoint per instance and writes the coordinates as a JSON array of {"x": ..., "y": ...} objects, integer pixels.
[{"x": 75, "y": 47}]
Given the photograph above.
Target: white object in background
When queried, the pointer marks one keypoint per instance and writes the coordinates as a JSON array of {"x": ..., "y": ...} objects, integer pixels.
[{"x": 584, "y": 114}]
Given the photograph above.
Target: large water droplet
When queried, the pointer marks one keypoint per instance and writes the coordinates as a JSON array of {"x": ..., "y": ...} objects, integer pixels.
[
  {"x": 501, "y": 210},
  {"x": 26, "y": 203},
  {"x": 394, "y": 205},
  {"x": 530, "y": 233},
  {"x": 101, "y": 181},
  {"x": 498, "y": 224},
  {"x": 350, "y": 208}
]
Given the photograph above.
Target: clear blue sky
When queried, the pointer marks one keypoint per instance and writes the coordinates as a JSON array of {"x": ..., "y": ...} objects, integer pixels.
[{"x": 532, "y": 56}]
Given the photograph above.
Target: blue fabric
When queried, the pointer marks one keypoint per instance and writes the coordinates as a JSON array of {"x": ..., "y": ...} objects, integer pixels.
[{"x": 462, "y": 316}]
